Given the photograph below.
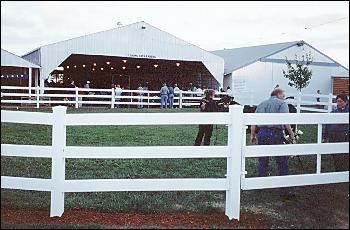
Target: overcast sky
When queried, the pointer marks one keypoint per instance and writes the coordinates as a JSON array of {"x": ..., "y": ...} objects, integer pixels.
[{"x": 209, "y": 25}]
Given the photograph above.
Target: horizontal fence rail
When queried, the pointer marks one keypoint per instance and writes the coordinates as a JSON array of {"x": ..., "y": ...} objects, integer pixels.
[
  {"x": 107, "y": 97},
  {"x": 143, "y": 119},
  {"x": 108, "y": 185},
  {"x": 147, "y": 152},
  {"x": 235, "y": 152},
  {"x": 83, "y": 96}
]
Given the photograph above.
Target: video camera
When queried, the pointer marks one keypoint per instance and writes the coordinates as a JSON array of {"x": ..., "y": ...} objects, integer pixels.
[{"x": 224, "y": 102}]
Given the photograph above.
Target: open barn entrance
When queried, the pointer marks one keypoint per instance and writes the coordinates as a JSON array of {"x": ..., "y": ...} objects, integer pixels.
[{"x": 102, "y": 71}]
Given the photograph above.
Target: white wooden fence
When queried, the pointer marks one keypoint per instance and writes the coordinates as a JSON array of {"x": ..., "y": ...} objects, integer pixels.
[
  {"x": 79, "y": 96},
  {"x": 310, "y": 103},
  {"x": 236, "y": 151}
]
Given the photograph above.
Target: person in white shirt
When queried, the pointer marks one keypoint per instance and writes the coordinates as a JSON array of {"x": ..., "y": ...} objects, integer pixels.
[
  {"x": 117, "y": 93},
  {"x": 228, "y": 89},
  {"x": 200, "y": 91},
  {"x": 176, "y": 94},
  {"x": 140, "y": 106}
]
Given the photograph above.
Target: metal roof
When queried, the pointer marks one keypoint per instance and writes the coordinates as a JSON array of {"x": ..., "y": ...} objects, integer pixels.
[
  {"x": 138, "y": 39},
  {"x": 10, "y": 59},
  {"x": 239, "y": 57}
]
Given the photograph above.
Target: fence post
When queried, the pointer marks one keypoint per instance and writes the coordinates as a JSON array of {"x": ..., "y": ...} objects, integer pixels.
[
  {"x": 148, "y": 99},
  {"x": 234, "y": 162},
  {"x": 330, "y": 101},
  {"x": 76, "y": 97},
  {"x": 298, "y": 102},
  {"x": 180, "y": 99},
  {"x": 37, "y": 96},
  {"x": 58, "y": 161},
  {"x": 113, "y": 98},
  {"x": 319, "y": 141}
]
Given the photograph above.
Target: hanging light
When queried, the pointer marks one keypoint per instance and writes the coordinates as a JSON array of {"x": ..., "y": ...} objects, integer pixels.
[
  {"x": 177, "y": 64},
  {"x": 101, "y": 68},
  {"x": 75, "y": 66},
  {"x": 83, "y": 66},
  {"x": 124, "y": 67},
  {"x": 112, "y": 68},
  {"x": 108, "y": 63},
  {"x": 67, "y": 67},
  {"x": 138, "y": 67},
  {"x": 124, "y": 61},
  {"x": 155, "y": 65},
  {"x": 93, "y": 69},
  {"x": 95, "y": 64}
]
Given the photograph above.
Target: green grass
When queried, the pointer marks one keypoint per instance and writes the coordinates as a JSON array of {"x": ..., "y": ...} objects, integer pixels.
[{"x": 146, "y": 202}]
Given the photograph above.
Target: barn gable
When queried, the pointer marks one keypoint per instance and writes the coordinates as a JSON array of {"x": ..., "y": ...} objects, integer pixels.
[
  {"x": 140, "y": 40},
  {"x": 240, "y": 57}
]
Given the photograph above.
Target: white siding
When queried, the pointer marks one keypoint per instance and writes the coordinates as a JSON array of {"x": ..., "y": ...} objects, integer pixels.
[
  {"x": 33, "y": 56},
  {"x": 10, "y": 59},
  {"x": 300, "y": 50},
  {"x": 262, "y": 77},
  {"x": 127, "y": 41}
]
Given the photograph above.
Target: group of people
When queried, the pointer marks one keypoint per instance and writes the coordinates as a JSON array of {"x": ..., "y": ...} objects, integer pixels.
[
  {"x": 167, "y": 95},
  {"x": 275, "y": 134}
]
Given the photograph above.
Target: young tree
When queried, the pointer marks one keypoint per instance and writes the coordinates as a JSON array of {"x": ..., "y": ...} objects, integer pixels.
[{"x": 299, "y": 75}]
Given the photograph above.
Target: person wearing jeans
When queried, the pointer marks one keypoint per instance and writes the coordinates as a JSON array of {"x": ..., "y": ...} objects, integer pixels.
[
  {"x": 171, "y": 97},
  {"x": 164, "y": 96},
  {"x": 273, "y": 135}
]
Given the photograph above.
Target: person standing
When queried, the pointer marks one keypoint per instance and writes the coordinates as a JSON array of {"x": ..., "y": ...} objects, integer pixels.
[
  {"x": 71, "y": 85},
  {"x": 207, "y": 104},
  {"x": 164, "y": 96},
  {"x": 273, "y": 135},
  {"x": 139, "y": 99},
  {"x": 229, "y": 90},
  {"x": 171, "y": 97},
  {"x": 199, "y": 91},
  {"x": 177, "y": 94},
  {"x": 117, "y": 94},
  {"x": 339, "y": 133},
  {"x": 87, "y": 86}
]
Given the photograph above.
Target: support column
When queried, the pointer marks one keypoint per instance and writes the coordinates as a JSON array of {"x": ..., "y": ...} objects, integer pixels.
[{"x": 30, "y": 82}]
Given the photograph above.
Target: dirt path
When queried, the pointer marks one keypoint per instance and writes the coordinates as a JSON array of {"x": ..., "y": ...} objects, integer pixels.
[{"x": 118, "y": 220}]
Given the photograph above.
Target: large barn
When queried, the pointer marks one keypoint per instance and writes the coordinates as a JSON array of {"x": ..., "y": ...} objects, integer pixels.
[
  {"x": 258, "y": 69},
  {"x": 129, "y": 55}
]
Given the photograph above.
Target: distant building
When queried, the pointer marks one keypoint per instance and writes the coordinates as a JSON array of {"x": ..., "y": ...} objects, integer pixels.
[
  {"x": 259, "y": 68},
  {"x": 16, "y": 71}
]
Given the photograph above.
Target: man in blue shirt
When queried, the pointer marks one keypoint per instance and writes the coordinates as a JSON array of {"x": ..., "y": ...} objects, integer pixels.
[
  {"x": 339, "y": 133},
  {"x": 272, "y": 134},
  {"x": 164, "y": 96}
]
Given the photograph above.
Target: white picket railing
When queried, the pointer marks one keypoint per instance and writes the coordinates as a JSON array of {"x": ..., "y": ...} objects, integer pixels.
[
  {"x": 79, "y": 96},
  {"x": 318, "y": 149},
  {"x": 236, "y": 151},
  {"x": 311, "y": 104}
]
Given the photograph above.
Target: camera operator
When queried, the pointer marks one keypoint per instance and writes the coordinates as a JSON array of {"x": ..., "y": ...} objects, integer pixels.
[{"x": 207, "y": 104}]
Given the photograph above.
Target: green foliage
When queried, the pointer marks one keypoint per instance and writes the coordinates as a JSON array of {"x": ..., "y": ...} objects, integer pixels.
[{"x": 299, "y": 74}]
